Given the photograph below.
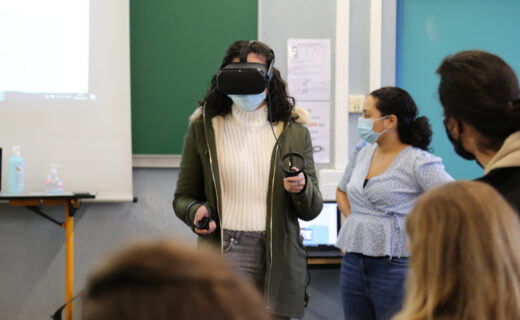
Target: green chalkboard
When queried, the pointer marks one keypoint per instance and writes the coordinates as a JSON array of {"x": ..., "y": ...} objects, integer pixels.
[{"x": 175, "y": 48}]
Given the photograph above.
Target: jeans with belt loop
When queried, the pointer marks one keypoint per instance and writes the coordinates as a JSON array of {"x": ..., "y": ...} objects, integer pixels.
[
  {"x": 372, "y": 287},
  {"x": 245, "y": 252}
]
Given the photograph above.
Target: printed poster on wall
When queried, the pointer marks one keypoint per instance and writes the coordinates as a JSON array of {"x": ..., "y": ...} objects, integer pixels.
[
  {"x": 309, "y": 82},
  {"x": 319, "y": 128}
]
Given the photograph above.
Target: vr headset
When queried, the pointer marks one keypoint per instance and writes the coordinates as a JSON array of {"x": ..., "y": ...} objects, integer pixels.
[{"x": 243, "y": 77}]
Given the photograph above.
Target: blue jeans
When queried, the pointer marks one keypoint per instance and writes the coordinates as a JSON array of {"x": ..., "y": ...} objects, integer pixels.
[{"x": 372, "y": 287}]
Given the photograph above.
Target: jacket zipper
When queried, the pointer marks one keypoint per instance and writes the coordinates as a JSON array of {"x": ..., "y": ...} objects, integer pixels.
[
  {"x": 213, "y": 179},
  {"x": 271, "y": 220}
]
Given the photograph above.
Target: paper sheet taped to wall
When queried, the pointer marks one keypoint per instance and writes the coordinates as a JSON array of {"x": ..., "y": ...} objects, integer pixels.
[
  {"x": 308, "y": 66},
  {"x": 309, "y": 82},
  {"x": 319, "y": 128}
]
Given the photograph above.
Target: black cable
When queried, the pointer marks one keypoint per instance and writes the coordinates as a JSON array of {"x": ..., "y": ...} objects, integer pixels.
[{"x": 277, "y": 139}]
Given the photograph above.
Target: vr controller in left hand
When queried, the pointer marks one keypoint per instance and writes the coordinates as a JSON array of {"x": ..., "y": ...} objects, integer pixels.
[
  {"x": 203, "y": 224},
  {"x": 292, "y": 165}
]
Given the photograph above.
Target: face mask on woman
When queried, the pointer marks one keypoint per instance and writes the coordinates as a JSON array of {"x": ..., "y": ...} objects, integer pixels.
[
  {"x": 248, "y": 102},
  {"x": 366, "y": 131}
]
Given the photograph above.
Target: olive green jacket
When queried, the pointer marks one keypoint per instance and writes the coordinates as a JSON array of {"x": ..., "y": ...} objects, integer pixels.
[{"x": 286, "y": 275}]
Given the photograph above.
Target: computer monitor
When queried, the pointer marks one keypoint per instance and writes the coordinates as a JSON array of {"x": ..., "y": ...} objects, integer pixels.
[
  {"x": 322, "y": 230},
  {"x": 0, "y": 169}
]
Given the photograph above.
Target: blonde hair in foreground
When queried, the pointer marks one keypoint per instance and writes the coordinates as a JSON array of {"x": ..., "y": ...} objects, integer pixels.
[
  {"x": 465, "y": 256},
  {"x": 164, "y": 281}
]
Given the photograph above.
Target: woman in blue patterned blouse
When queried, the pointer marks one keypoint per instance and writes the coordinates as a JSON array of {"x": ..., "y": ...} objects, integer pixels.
[{"x": 386, "y": 173}]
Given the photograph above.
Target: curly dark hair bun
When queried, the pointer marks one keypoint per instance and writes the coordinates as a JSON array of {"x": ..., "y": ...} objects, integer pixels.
[
  {"x": 420, "y": 133},
  {"x": 412, "y": 130}
]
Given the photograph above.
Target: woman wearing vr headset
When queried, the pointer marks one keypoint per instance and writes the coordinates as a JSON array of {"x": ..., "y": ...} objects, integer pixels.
[
  {"x": 480, "y": 96},
  {"x": 385, "y": 175},
  {"x": 231, "y": 176}
]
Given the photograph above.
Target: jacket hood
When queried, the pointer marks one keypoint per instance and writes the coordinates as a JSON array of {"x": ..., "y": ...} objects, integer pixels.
[
  {"x": 508, "y": 155},
  {"x": 298, "y": 114}
]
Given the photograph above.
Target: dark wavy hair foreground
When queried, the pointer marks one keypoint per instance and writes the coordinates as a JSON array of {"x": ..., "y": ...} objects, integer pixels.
[{"x": 281, "y": 104}]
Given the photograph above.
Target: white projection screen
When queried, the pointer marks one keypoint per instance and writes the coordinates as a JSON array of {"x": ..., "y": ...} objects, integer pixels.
[{"x": 65, "y": 93}]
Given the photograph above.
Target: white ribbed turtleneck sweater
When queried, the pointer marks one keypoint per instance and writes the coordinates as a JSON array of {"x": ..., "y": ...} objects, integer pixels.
[{"x": 245, "y": 143}]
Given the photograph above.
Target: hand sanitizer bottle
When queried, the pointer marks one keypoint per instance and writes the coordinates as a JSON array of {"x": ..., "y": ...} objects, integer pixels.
[
  {"x": 15, "y": 172},
  {"x": 53, "y": 183}
]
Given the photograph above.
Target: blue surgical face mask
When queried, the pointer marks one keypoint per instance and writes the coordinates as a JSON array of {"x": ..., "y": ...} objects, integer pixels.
[
  {"x": 248, "y": 102},
  {"x": 366, "y": 131}
]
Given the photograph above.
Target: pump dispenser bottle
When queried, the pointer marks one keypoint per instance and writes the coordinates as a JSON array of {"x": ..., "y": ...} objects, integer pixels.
[{"x": 53, "y": 183}]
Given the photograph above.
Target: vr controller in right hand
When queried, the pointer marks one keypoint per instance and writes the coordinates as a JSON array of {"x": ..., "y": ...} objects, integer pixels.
[
  {"x": 292, "y": 164},
  {"x": 202, "y": 221},
  {"x": 293, "y": 173}
]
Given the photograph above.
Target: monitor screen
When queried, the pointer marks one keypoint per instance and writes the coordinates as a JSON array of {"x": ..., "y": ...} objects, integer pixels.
[{"x": 323, "y": 230}]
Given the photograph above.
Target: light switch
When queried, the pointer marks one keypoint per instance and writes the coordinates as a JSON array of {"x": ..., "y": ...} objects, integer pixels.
[{"x": 355, "y": 103}]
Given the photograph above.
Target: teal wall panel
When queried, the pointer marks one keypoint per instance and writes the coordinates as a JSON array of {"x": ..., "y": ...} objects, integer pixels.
[{"x": 429, "y": 30}]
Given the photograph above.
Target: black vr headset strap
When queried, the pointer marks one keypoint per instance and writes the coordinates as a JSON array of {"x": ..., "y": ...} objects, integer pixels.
[
  {"x": 271, "y": 67},
  {"x": 243, "y": 51},
  {"x": 243, "y": 59}
]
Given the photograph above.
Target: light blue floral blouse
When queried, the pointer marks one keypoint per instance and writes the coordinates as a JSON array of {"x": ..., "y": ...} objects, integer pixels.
[{"x": 376, "y": 226}]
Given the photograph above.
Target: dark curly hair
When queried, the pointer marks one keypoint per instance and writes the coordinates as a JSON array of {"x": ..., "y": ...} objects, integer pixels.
[
  {"x": 412, "y": 130},
  {"x": 482, "y": 90},
  {"x": 280, "y": 103}
]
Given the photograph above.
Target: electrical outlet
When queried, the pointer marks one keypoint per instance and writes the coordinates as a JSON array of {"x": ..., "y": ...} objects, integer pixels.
[
  {"x": 355, "y": 103},
  {"x": 328, "y": 191},
  {"x": 328, "y": 181}
]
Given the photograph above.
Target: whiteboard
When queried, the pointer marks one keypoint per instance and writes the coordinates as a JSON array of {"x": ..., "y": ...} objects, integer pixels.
[{"x": 65, "y": 98}]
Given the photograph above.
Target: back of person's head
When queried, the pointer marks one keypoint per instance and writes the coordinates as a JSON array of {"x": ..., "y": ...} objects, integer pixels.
[
  {"x": 465, "y": 255},
  {"x": 412, "y": 130},
  {"x": 482, "y": 90},
  {"x": 281, "y": 104},
  {"x": 160, "y": 281}
]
